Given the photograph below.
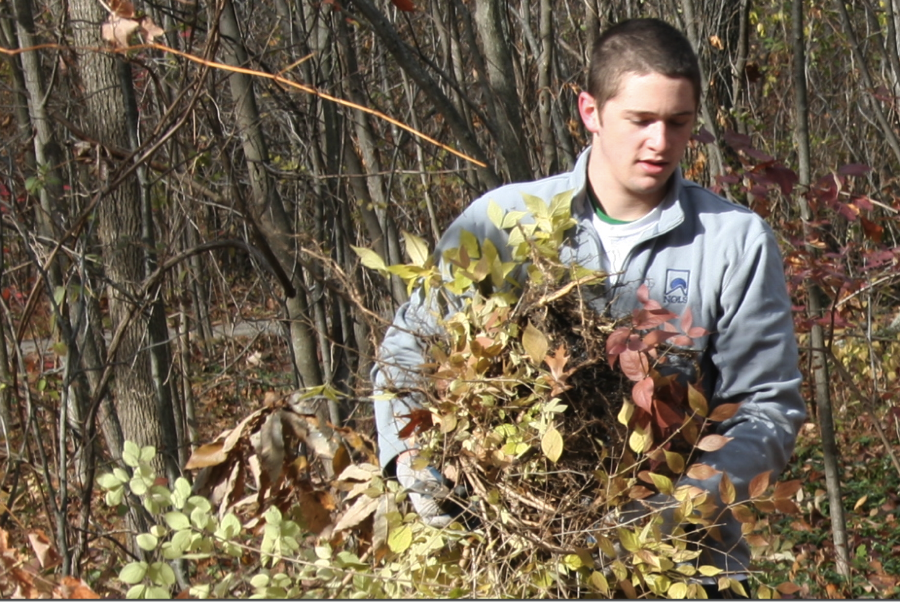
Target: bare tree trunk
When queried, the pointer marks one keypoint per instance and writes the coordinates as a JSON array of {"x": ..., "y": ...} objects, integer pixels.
[
  {"x": 137, "y": 404},
  {"x": 887, "y": 130},
  {"x": 268, "y": 213},
  {"x": 404, "y": 56},
  {"x": 814, "y": 310},
  {"x": 504, "y": 96},
  {"x": 545, "y": 98}
]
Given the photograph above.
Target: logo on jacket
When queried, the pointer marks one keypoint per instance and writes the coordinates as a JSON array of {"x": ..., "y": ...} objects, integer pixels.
[{"x": 677, "y": 286}]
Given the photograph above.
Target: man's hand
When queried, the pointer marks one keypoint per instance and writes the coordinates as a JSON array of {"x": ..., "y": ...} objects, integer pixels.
[{"x": 427, "y": 491}]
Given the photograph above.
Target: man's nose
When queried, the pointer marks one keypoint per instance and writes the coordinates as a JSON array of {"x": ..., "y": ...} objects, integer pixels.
[{"x": 659, "y": 135}]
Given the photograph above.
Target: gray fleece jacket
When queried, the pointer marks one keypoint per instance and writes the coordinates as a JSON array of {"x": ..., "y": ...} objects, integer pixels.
[{"x": 719, "y": 259}]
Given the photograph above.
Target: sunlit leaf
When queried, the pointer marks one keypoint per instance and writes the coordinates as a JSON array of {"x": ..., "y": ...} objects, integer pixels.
[
  {"x": 642, "y": 394},
  {"x": 787, "y": 489},
  {"x": 640, "y": 440},
  {"x": 133, "y": 572},
  {"x": 662, "y": 483},
  {"x": 552, "y": 444},
  {"x": 400, "y": 539},
  {"x": 535, "y": 344},
  {"x": 697, "y": 400},
  {"x": 759, "y": 484},
  {"x": 726, "y": 489},
  {"x": 701, "y": 472},
  {"x": 678, "y": 591},
  {"x": 416, "y": 248},
  {"x": 743, "y": 514},
  {"x": 723, "y": 412},
  {"x": 712, "y": 443},
  {"x": 369, "y": 258}
]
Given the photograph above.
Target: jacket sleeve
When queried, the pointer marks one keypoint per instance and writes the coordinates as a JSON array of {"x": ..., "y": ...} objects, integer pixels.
[
  {"x": 398, "y": 370},
  {"x": 754, "y": 353}
]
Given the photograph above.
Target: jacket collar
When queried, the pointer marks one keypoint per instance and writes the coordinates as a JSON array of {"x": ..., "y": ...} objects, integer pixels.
[{"x": 672, "y": 205}]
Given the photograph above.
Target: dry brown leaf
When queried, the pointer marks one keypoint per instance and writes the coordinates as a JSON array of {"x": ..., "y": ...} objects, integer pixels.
[
  {"x": 217, "y": 452},
  {"x": 701, "y": 472},
  {"x": 71, "y": 588},
  {"x": 362, "y": 509},
  {"x": 315, "y": 515},
  {"x": 271, "y": 446},
  {"x": 122, "y": 8},
  {"x": 43, "y": 549},
  {"x": 117, "y": 30},
  {"x": 712, "y": 443},
  {"x": 724, "y": 412},
  {"x": 759, "y": 484}
]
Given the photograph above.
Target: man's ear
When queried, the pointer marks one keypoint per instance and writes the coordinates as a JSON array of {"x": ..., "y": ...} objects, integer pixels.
[{"x": 590, "y": 112}]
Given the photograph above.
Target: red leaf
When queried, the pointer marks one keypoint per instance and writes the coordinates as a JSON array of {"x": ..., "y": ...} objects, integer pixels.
[
  {"x": 405, "y": 5},
  {"x": 419, "y": 420},
  {"x": 643, "y": 294},
  {"x": 697, "y": 331},
  {"x": 634, "y": 364},
  {"x": 635, "y": 343},
  {"x": 704, "y": 136},
  {"x": 687, "y": 319},
  {"x": 683, "y": 341},
  {"x": 873, "y": 231},
  {"x": 655, "y": 337},
  {"x": 642, "y": 393},
  {"x": 666, "y": 416},
  {"x": 645, "y": 319},
  {"x": 616, "y": 344}
]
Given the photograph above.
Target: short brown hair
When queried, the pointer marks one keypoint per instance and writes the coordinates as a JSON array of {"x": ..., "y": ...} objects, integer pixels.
[{"x": 642, "y": 47}]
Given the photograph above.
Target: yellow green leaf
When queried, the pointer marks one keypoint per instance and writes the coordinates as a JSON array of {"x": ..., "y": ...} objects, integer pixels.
[
  {"x": 678, "y": 591},
  {"x": 640, "y": 440},
  {"x": 625, "y": 413},
  {"x": 552, "y": 444},
  {"x": 663, "y": 483},
  {"x": 535, "y": 343},
  {"x": 369, "y": 258},
  {"x": 416, "y": 248},
  {"x": 675, "y": 462},
  {"x": 598, "y": 582},
  {"x": 697, "y": 401},
  {"x": 400, "y": 539},
  {"x": 495, "y": 214}
]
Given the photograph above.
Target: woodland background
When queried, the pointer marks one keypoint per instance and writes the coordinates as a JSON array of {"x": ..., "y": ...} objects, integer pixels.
[{"x": 171, "y": 170}]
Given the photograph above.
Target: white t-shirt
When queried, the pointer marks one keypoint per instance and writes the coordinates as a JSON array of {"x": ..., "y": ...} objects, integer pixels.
[{"x": 619, "y": 239}]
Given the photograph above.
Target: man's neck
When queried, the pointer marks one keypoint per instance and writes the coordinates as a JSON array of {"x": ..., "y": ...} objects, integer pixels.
[{"x": 622, "y": 206}]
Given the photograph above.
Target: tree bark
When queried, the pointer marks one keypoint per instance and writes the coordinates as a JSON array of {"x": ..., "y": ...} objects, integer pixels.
[
  {"x": 819, "y": 349},
  {"x": 143, "y": 420},
  {"x": 267, "y": 212}
]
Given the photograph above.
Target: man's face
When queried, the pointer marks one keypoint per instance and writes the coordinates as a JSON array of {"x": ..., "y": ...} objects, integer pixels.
[{"x": 639, "y": 137}]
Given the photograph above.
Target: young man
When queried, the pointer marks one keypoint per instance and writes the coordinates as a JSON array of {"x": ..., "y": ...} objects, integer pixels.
[{"x": 642, "y": 223}]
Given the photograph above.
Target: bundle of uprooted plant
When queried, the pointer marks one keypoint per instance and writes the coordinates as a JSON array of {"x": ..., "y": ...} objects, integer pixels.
[{"x": 549, "y": 414}]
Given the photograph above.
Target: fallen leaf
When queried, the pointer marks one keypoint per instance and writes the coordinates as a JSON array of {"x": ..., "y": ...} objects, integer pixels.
[
  {"x": 43, "y": 549},
  {"x": 71, "y": 588}
]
